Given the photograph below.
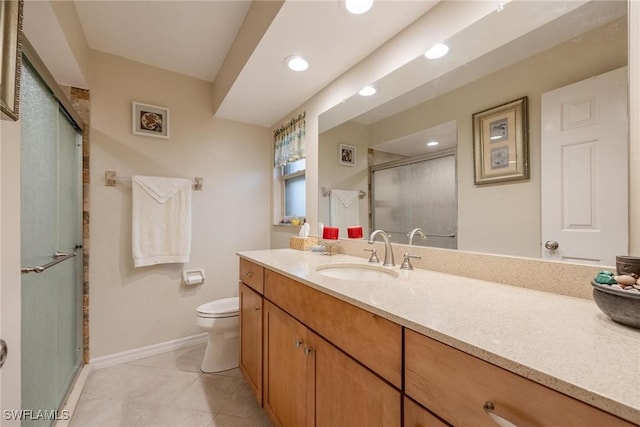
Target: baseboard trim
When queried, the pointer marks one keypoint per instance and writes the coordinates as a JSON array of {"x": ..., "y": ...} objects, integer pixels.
[{"x": 142, "y": 352}]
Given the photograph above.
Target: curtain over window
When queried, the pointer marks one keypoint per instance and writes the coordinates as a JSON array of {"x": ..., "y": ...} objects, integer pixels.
[{"x": 289, "y": 141}]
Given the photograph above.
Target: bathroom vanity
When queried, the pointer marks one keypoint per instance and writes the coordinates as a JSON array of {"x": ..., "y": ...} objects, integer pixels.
[{"x": 421, "y": 348}]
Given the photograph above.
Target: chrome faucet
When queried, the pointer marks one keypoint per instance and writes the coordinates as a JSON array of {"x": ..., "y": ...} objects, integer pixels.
[
  {"x": 388, "y": 251},
  {"x": 414, "y": 232}
]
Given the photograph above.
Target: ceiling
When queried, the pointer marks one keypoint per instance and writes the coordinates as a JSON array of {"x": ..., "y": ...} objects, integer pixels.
[{"x": 196, "y": 38}]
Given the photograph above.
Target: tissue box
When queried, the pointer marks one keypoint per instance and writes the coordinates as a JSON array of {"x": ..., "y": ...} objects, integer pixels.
[{"x": 302, "y": 243}]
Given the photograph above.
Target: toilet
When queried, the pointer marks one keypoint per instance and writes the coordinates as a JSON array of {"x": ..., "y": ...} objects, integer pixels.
[{"x": 221, "y": 319}]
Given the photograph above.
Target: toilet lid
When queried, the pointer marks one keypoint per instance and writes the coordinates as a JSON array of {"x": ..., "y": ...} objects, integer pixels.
[{"x": 225, "y": 307}]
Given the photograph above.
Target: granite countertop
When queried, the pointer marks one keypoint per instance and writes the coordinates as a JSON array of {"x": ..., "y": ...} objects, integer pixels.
[{"x": 565, "y": 343}]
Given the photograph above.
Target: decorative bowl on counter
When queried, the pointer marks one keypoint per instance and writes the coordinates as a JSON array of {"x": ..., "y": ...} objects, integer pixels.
[
  {"x": 628, "y": 264},
  {"x": 620, "y": 305}
]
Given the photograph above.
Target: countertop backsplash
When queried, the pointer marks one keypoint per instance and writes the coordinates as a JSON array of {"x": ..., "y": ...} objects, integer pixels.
[{"x": 556, "y": 277}]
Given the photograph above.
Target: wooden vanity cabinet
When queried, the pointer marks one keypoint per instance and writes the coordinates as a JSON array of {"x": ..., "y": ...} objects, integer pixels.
[
  {"x": 347, "y": 394},
  {"x": 370, "y": 339},
  {"x": 321, "y": 360},
  {"x": 456, "y": 386},
  {"x": 416, "y": 416},
  {"x": 287, "y": 400},
  {"x": 310, "y": 382},
  {"x": 251, "y": 307}
]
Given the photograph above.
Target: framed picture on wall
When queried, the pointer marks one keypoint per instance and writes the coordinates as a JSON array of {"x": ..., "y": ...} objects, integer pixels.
[
  {"x": 150, "y": 120},
  {"x": 501, "y": 143},
  {"x": 11, "y": 66},
  {"x": 347, "y": 154}
]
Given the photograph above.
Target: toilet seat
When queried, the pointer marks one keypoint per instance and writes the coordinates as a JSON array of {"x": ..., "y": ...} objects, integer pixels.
[{"x": 225, "y": 307}]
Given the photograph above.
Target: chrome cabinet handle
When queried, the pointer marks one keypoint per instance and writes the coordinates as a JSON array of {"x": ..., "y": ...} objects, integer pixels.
[
  {"x": 298, "y": 343},
  {"x": 249, "y": 273},
  {"x": 308, "y": 351},
  {"x": 257, "y": 308},
  {"x": 502, "y": 422},
  {"x": 552, "y": 245}
]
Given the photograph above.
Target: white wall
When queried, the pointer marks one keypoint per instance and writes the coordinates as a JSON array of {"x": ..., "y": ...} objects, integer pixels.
[{"x": 134, "y": 307}]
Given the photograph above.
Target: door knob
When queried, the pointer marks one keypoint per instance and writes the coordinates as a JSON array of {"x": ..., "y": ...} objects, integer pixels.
[{"x": 552, "y": 245}]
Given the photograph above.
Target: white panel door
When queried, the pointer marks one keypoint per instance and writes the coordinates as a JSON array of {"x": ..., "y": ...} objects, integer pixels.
[{"x": 584, "y": 170}]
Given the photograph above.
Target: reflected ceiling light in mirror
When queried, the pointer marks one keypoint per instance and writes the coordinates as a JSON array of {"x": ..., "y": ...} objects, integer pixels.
[
  {"x": 367, "y": 91},
  {"x": 432, "y": 143},
  {"x": 296, "y": 63},
  {"x": 438, "y": 50},
  {"x": 358, "y": 7}
]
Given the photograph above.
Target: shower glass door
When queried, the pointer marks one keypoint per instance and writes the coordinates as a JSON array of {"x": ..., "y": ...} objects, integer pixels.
[{"x": 50, "y": 231}]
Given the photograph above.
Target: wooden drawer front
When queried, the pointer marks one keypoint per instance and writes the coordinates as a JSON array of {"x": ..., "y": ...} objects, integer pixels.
[
  {"x": 456, "y": 386},
  {"x": 252, "y": 275},
  {"x": 372, "y": 340},
  {"x": 416, "y": 416}
]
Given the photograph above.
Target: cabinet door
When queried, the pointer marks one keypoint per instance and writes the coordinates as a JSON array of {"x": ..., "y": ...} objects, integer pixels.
[
  {"x": 346, "y": 393},
  {"x": 416, "y": 416},
  {"x": 251, "y": 339},
  {"x": 285, "y": 369}
]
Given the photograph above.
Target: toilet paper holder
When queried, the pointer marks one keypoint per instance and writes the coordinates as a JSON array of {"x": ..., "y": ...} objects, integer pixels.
[{"x": 193, "y": 277}]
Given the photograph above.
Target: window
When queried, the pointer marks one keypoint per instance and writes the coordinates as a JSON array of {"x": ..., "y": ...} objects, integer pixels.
[{"x": 293, "y": 190}]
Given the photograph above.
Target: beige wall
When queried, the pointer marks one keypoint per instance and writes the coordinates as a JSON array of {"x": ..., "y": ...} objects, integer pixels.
[
  {"x": 135, "y": 307},
  {"x": 10, "y": 263}
]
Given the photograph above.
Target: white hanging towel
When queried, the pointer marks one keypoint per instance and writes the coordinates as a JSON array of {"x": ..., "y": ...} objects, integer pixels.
[
  {"x": 344, "y": 211},
  {"x": 161, "y": 220}
]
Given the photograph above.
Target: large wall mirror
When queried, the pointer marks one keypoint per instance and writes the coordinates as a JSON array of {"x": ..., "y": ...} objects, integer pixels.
[{"x": 544, "y": 51}]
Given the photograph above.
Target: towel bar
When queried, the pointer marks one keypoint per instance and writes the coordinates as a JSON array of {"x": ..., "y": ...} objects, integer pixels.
[
  {"x": 110, "y": 179},
  {"x": 326, "y": 193}
]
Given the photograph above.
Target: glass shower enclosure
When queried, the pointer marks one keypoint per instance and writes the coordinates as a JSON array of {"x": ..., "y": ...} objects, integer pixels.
[{"x": 51, "y": 233}]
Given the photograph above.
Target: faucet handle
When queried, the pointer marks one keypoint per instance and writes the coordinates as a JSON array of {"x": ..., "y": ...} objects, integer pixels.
[
  {"x": 406, "y": 262},
  {"x": 374, "y": 256}
]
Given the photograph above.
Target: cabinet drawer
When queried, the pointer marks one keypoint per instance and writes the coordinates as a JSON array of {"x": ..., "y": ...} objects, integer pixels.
[
  {"x": 372, "y": 340},
  {"x": 252, "y": 275},
  {"x": 456, "y": 386}
]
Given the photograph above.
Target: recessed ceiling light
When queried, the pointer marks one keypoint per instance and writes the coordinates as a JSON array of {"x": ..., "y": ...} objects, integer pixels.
[
  {"x": 358, "y": 7},
  {"x": 296, "y": 63},
  {"x": 437, "y": 51},
  {"x": 432, "y": 143},
  {"x": 367, "y": 91}
]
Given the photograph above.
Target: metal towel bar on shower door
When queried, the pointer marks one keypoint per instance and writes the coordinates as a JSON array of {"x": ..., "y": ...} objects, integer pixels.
[{"x": 58, "y": 258}]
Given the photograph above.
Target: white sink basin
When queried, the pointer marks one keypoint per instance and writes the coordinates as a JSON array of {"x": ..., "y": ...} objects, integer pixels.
[{"x": 359, "y": 272}]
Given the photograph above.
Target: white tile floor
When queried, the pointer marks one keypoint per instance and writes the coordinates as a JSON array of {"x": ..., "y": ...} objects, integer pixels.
[{"x": 167, "y": 390}]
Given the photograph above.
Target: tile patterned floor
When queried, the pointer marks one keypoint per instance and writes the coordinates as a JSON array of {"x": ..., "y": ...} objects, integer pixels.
[{"x": 167, "y": 390}]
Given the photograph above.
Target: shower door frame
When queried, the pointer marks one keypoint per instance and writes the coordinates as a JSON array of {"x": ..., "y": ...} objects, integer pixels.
[{"x": 67, "y": 108}]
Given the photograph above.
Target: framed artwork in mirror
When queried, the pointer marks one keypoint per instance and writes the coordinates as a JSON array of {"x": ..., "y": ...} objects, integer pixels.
[
  {"x": 150, "y": 120},
  {"x": 11, "y": 67},
  {"x": 347, "y": 154},
  {"x": 501, "y": 143}
]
